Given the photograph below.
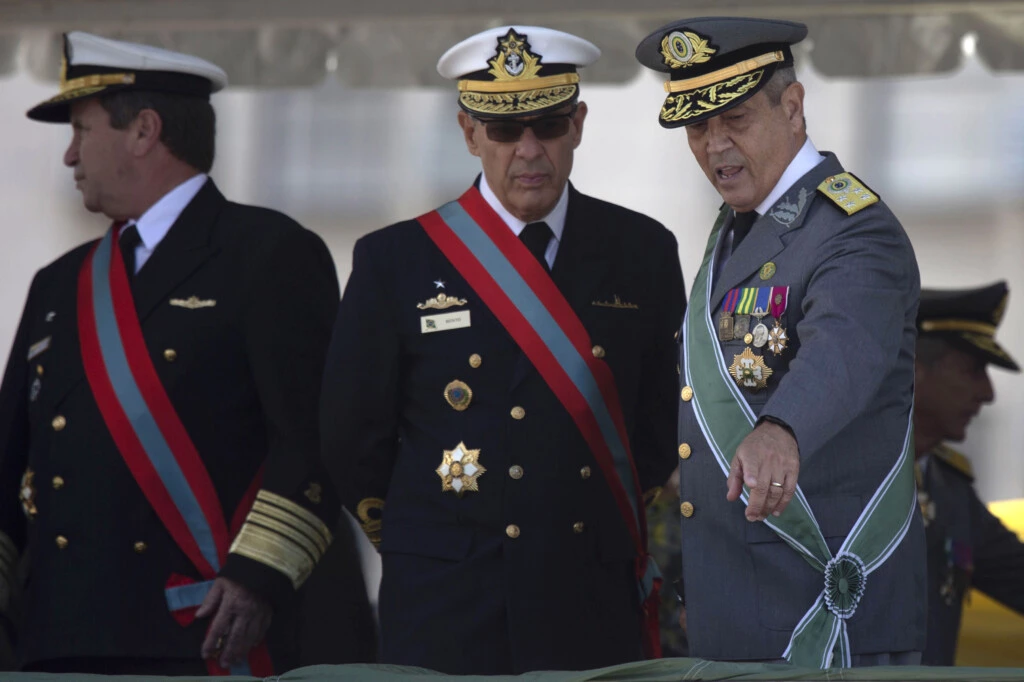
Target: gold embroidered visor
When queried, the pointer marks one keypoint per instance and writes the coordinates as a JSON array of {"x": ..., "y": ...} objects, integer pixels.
[
  {"x": 692, "y": 99},
  {"x": 514, "y": 98}
]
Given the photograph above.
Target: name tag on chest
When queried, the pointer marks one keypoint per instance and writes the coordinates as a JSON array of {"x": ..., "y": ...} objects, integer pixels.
[{"x": 444, "y": 322}]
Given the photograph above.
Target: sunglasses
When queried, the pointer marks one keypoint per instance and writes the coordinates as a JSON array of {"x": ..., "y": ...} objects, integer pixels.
[{"x": 544, "y": 128}]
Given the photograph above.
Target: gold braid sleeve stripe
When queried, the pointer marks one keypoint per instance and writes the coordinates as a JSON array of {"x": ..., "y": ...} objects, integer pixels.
[
  {"x": 728, "y": 72},
  {"x": 958, "y": 326},
  {"x": 283, "y": 535},
  {"x": 519, "y": 86}
]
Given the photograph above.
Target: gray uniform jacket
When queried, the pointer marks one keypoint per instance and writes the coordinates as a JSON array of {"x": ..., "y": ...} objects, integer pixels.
[
  {"x": 844, "y": 383},
  {"x": 967, "y": 547}
]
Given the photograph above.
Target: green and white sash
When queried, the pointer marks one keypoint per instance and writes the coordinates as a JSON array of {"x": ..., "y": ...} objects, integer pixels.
[{"x": 725, "y": 419}]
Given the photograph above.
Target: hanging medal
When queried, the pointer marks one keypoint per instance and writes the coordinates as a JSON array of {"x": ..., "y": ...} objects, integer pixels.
[
  {"x": 777, "y": 337},
  {"x": 725, "y": 318}
]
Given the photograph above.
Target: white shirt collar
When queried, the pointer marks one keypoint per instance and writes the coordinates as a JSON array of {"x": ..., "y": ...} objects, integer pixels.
[
  {"x": 555, "y": 219},
  {"x": 154, "y": 224},
  {"x": 805, "y": 159}
]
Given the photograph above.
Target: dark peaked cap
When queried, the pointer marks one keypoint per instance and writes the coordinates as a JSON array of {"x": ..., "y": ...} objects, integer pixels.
[
  {"x": 967, "y": 319},
  {"x": 716, "y": 63}
]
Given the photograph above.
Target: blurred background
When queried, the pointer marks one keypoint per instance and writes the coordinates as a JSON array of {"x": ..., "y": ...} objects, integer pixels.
[{"x": 337, "y": 117}]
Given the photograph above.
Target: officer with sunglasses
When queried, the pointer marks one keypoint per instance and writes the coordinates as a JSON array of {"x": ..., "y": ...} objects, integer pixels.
[{"x": 501, "y": 388}]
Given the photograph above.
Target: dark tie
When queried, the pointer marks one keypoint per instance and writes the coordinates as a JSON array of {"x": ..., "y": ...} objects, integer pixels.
[
  {"x": 536, "y": 237},
  {"x": 741, "y": 225},
  {"x": 128, "y": 241}
]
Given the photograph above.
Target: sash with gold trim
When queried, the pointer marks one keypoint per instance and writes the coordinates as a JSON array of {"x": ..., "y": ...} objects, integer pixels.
[
  {"x": 820, "y": 638},
  {"x": 151, "y": 438},
  {"x": 524, "y": 298}
]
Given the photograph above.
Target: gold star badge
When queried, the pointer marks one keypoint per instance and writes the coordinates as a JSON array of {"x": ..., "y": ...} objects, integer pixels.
[
  {"x": 749, "y": 370},
  {"x": 460, "y": 470}
]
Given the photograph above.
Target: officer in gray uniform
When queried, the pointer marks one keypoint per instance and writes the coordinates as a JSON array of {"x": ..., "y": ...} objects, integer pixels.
[
  {"x": 967, "y": 545},
  {"x": 797, "y": 360}
]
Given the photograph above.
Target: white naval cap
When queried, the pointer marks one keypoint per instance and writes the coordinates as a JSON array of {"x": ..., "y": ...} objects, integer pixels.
[
  {"x": 93, "y": 65},
  {"x": 517, "y": 70}
]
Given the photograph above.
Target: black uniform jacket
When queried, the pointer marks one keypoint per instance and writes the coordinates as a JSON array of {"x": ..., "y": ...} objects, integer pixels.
[
  {"x": 241, "y": 365},
  {"x": 967, "y": 547},
  {"x": 534, "y": 569}
]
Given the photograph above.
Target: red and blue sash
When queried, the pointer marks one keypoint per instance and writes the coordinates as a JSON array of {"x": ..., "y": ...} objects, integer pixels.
[
  {"x": 150, "y": 436},
  {"x": 524, "y": 298}
]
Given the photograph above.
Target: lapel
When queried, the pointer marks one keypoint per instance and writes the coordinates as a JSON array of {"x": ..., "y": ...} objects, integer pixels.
[
  {"x": 769, "y": 234},
  {"x": 185, "y": 247},
  {"x": 581, "y": 263}
]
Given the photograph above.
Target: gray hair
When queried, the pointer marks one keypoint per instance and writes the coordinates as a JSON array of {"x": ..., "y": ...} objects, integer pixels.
[{"x": 780, "y": 80}]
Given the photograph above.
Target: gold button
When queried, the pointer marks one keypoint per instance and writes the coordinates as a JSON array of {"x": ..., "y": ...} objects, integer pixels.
[
  {"x": 598, "y": 352},
  {"x": 515, "y": 472},
  {"x": 512, "y": 530},
  {"x": 39, "y": 370},
  {"x": 686, "y": 394},
  {"x": 684, "y": 451},
  {"x": 62, "y": 542},
  {"x": 677, "y": 335},
  {"x": 475, "y": 360},
  {"x": 170, "y": 355},
  {"x": 140, "y": 547},
  {"x": 585, "y": 473},
  {"x": 686, "y": 509},
  {"x": 518, "y": 412},
  {"x": 748, "y": 339},
  {"x": 59, "y": 422},
  {"x": 58, "y": 482},
  {"x": 577, "y": 527}
]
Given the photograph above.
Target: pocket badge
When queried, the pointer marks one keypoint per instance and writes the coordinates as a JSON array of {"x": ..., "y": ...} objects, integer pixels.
[{"x": 458, "y": 395}]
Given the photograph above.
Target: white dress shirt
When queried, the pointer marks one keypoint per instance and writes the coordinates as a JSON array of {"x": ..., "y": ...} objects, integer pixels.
[
  {"x": 555, "y": 219},
  {"x": 154, "y": 224}
]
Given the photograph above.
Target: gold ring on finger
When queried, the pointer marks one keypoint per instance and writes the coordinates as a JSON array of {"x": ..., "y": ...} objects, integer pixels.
[{"x": 776, "y": 485}]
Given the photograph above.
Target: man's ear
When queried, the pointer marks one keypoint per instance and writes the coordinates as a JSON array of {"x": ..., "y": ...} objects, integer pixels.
[
  {"x": 793, "y": 104},
  {"x": 145, "y": 132},
  {"x": 468, "y": 126},
  {"x": 578, "y": 119}
]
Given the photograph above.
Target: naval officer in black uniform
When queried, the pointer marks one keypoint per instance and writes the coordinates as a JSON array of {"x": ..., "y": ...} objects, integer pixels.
[
  {"x": 503, "y": 548},
  {"x": 967, "y": 545},
  {"x": 235, "y": 305}
]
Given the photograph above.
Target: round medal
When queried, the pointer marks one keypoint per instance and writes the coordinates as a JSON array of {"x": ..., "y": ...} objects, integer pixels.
[{"x": 760, "y": 334}]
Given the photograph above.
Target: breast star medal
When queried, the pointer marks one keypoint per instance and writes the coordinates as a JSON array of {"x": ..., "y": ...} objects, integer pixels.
[
  {"x": 460, "y": 469},
  {"x": 777, "y": 339},
  {"x": 749, "y": 370}
]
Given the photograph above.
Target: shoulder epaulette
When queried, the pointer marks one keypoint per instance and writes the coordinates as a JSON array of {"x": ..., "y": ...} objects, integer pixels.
[
  {"x": 847, "y": 192},
  {"x": 955, "y": 459}
]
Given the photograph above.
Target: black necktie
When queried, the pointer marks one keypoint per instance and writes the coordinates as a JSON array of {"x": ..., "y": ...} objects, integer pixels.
[
  {"x": 128, "y": 241},
  {"x": 741, "y": 225},
  {"x": 536, "y": 237}
]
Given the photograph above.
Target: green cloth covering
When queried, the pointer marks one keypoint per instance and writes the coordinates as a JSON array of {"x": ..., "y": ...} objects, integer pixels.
[{"x": 664, "y": 670}]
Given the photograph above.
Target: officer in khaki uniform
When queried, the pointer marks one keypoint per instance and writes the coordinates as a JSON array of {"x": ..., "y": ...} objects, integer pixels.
[
  {"x": 158, "y": 436},
  {"x": 967, "y": 545},
  {"x": 504, "y": 547}
]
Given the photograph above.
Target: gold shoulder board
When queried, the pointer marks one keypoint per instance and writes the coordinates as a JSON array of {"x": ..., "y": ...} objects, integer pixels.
[
  {"x": 955, "y": 459},
  {"x": 847, "y": 192}
]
